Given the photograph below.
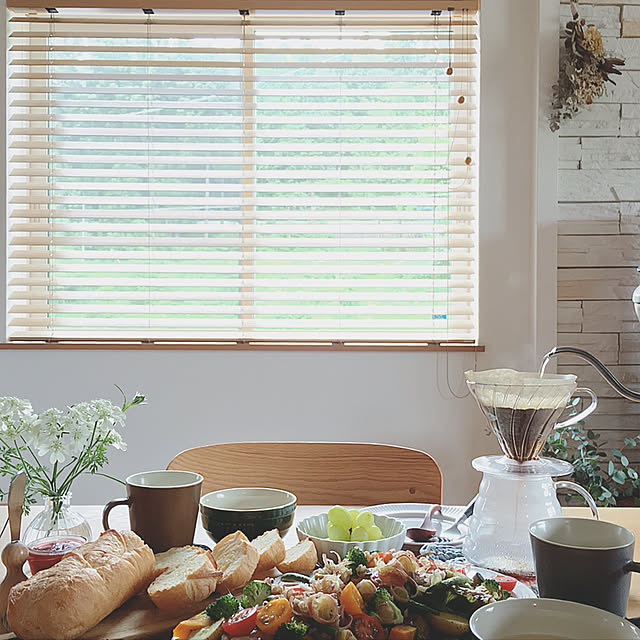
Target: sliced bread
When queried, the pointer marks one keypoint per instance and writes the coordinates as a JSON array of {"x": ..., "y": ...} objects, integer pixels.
[
  {"x": 172, "y": 558},
  {"x": 301, "y": 557},
  {"x": 271, "y": 550},
  {"x": 186, "y": 575},
  {"x": 237, "y": 558}
]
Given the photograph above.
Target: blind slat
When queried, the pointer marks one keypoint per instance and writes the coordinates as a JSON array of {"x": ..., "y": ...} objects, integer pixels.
[
  {"x": 429, "y": 146},
  {"x": 104, "y": 106},
  {"x": 342, "y": 215},
  {"x": 461, "y": 117},
  {"x": 422, "y": 161},
  {"x": 457, "y": 51},
  {"x": 266, "y": 283},
  {"x": 315, "y": 296}
]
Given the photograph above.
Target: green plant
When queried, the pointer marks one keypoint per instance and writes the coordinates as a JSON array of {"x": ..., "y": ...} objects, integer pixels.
[{"x": 605, "y": 473}]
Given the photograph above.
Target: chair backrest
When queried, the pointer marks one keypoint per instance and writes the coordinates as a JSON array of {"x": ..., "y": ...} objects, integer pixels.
[{"x": 354, "y": 473}]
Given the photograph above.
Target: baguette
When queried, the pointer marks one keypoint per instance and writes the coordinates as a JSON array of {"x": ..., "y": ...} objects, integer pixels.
[
  {"x": 186, "y": 575},
  {"x": 271, "y": 550},
  {"x": 68, "y": 599},
  {"x": 301, "y": 557},
  {"x": 237, "y": 558}
]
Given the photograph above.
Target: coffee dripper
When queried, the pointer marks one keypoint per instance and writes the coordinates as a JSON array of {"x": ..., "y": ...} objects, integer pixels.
[{"x": 517, "y": 488}]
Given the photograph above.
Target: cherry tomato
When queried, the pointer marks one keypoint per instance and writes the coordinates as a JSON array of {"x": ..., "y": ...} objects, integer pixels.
[
  {"x": 385, "y": 556},
  {"x": 365, "y": 627},
  {"x": 506, "y": 582},
  {"x": 273, "y": 614},
  {"x": 242, "y": 622}
]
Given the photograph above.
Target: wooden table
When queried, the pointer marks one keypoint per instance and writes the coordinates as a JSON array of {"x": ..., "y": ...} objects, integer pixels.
[
  {"x": 628, "y": 517},
  {"x": 119, "y": 519}
]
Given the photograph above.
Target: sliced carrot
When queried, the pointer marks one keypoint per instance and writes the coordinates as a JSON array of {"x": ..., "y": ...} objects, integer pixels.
[
  {"x": 402, "y": 632},
  {"x": 351, "y": 599},
  {"x": 183, "y": 630}
]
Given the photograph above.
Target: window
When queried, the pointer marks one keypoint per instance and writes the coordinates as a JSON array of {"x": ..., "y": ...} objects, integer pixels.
[{"x": 213, "y": 176}]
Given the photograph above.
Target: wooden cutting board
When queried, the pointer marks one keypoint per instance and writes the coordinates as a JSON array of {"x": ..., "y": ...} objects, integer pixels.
[{"x": 136, "y": 619}]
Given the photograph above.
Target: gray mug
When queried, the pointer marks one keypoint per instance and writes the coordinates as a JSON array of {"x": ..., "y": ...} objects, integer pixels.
[{"x": 584, "y": 560}]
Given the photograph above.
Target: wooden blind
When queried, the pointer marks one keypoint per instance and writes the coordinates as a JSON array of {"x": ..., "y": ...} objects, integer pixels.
[{"x": 210, "y": 175}]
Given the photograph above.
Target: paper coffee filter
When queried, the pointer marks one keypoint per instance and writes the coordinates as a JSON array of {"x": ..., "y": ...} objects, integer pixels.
[
  {"x": 521, "y": 407},
  {"x": 521, "y": 389}
]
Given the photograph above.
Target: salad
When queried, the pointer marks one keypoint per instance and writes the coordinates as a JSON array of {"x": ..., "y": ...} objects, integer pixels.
[{"x": 393, "y": 595}]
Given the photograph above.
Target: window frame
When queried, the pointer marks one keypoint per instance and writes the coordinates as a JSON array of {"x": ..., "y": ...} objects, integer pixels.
[{"x": 169, "y": 343}]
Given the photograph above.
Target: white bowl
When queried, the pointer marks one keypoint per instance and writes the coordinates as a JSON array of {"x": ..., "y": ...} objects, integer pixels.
[
  {"x": 315, "y": 528},
  {"x": 547, "y": 618}
]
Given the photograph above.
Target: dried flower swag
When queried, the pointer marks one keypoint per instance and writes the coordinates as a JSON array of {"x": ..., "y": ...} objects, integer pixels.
[{"x": 584, "y": 68}]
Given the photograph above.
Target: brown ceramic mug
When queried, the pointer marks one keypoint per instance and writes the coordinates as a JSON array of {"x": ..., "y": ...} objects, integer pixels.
[{"x": 163, "y": 507}]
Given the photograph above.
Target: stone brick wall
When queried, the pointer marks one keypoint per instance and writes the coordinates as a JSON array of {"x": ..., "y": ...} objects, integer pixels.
[{"x": 599, "y": 225}]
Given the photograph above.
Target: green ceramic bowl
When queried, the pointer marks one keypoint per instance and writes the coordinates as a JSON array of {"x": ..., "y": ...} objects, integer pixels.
[{"x": 252, "y": 510}]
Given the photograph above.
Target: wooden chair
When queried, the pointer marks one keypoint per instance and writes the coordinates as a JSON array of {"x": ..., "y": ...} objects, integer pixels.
[{"x": 351, "y": 473}]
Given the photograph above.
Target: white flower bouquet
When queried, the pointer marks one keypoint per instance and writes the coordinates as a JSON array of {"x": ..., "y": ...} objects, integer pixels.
[{"x": 55, "y": 447}]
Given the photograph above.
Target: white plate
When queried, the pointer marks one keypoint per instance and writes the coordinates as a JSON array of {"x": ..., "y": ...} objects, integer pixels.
[
  {"x": 411, "y": 514},
  {"x": 521, "y": 590}
]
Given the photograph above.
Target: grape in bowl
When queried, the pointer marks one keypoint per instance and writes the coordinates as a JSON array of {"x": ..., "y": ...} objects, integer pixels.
[{"x": 315, "y": 528}]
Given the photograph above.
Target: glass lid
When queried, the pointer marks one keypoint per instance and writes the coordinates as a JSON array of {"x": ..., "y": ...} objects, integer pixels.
[{"x": 504, "y": 466}]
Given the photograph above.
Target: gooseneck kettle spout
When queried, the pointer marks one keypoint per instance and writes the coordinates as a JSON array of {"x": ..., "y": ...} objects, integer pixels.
[{"x": 602, "y": 369}]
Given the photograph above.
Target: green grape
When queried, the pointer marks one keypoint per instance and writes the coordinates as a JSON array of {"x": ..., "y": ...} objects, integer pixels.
[
  {"x": 340, "y": 516},
  {"x": 364, "y": 519},
  {"x": 374, "y": 532},
  {"x": 354, "y": 514},
  {"x": 336, "y": 532},
  {"x": 359, "y": 534}
]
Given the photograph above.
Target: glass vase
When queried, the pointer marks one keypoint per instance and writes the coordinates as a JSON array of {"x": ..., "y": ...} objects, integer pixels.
[{"x": 57, "y": 519}]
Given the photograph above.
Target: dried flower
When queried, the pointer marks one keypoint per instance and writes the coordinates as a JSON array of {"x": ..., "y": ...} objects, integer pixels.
[
  {"x": 584, "y": 69},
  {"x": 593, "y": 41}
]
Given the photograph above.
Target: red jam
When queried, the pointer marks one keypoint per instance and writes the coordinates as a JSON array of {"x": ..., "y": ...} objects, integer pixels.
[{"x": 49, "y": 551}]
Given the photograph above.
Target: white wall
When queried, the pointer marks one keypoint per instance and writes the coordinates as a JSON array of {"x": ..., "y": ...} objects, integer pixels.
[{"x": 401, "y": 398}]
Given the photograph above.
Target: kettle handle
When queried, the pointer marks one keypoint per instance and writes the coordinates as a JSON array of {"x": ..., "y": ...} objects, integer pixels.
[
  {"x": 585, "y": 412},
  {"x": 565, "y": 484}
]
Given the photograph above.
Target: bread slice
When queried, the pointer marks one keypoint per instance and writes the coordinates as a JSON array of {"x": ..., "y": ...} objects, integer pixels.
[
  {"x": 271, "y": 550},
  {"x": 237, "y": 558},
  {"x": 172, "y": 558},
  {"x": 301, "y": 557},
  {"x": 186, "y": 575}
]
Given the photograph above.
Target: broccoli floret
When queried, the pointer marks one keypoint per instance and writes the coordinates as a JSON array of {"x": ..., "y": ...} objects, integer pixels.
[
  {"x": 356, "y": 558},
  {"x": 223, "y": 607},
  {"x": 291, "y": 631},
  {"x": 380, "y": 596},
  {"x": 495, "y": 589},
  {"x": 493, "y": 586},
  {"x": 254, "y": 592}
]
